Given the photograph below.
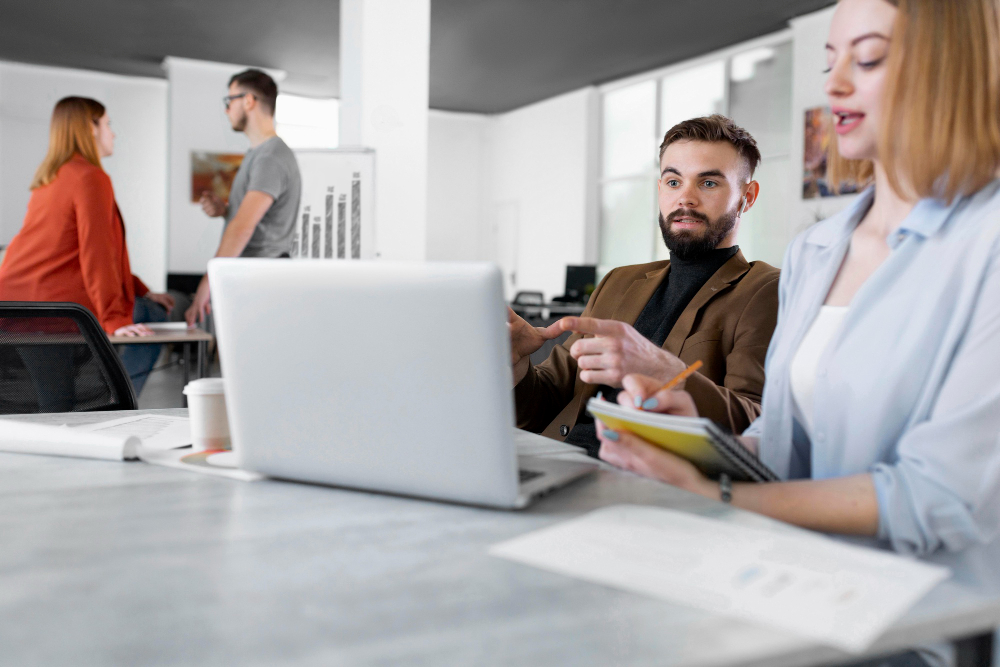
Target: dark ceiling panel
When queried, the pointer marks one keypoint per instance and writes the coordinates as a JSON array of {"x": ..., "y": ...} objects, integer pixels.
[{"x": 486, "y": 55}]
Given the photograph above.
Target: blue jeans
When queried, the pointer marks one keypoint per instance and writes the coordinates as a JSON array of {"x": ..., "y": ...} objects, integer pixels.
[{"x": 140, "y": 359}]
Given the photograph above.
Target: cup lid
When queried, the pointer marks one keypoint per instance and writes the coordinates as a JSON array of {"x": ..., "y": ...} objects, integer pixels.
[{"x": 205, "y": 386}]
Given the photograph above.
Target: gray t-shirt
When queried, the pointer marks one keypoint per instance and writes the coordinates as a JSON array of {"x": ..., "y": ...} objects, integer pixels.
[{"x": 269, "y": 168}]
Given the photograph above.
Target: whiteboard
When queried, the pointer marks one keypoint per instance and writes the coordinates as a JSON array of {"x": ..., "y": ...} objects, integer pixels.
[{"x": 336, "y": 218}]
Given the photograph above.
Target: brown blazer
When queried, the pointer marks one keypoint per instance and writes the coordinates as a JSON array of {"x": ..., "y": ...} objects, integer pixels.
[{"x": 728, "y": 325}]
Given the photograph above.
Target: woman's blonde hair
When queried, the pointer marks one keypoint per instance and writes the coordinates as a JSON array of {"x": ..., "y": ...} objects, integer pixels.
[
  {"x": 940, "y": 132},
  {"x": 71, "y": 132}
]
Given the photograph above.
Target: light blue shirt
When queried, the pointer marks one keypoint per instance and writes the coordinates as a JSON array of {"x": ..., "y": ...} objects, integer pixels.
[{"x": 908, "y": 389}]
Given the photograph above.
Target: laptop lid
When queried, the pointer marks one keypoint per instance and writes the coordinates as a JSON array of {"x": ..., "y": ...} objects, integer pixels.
[{"x": 374, "y": 375}]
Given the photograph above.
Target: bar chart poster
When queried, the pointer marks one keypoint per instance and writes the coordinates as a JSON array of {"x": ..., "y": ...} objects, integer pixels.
[{"x": 336, "y": 218}]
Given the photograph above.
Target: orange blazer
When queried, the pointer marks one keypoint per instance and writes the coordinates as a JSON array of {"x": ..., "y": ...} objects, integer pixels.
[{"x": 72, "y": 248}]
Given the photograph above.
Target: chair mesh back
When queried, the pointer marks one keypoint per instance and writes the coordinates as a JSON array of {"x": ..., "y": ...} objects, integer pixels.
[{"x": 56, "y": 358}]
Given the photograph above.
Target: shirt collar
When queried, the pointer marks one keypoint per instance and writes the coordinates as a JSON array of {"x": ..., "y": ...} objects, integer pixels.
[
  {"x": 840, "y": 225},
  {"x": 926, "y": 219}
]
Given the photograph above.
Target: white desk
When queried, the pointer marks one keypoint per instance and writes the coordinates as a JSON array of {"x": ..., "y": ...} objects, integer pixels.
[{"x": 128, "y": 563}]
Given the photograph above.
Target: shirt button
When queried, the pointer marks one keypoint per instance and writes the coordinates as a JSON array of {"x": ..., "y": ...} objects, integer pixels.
[{"x": 564, "y": 430}]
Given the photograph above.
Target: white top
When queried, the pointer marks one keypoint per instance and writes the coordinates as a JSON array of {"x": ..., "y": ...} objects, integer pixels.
[{"x": 805, "y": 363}]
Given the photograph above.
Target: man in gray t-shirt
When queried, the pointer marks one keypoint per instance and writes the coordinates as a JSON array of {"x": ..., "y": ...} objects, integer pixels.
[
  {"x": 269, "y": 168},
  {"x": 264, "y": 199}
]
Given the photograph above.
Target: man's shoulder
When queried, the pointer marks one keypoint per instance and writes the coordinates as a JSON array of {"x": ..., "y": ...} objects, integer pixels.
[
  {"x": 275, "y": 147},
  {"x": 276, "y": 153},
  {"x": 636, "y": 271},
  {"x": 760, "y": 274}
]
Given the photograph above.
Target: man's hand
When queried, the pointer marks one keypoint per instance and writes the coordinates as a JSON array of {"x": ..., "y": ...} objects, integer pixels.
[
  {"x": 200, "y": 306},
  {"x": 525, "y": 339},
  {"x": 615, "y": 350},
  {"x": 212, "y": 205},
  {"x": 163, "y": 299}
]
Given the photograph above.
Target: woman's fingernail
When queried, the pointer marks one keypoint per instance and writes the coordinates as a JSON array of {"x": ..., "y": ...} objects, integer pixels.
[
  {"x": 650, "y": 404},
  {"x": 610, "y": 435},
  {"x": 638, "y": 401}
]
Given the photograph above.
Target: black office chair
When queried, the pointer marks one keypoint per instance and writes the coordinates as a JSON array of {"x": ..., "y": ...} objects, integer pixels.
[
  {"x": 54, "y": 357},
  {"x": 529, "y": 299}
]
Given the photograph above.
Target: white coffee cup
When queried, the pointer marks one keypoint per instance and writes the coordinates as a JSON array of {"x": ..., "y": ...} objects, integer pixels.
[{"x": 207, "y": 410}]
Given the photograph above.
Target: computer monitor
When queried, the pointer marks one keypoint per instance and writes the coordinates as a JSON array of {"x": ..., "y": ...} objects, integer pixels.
[{"x": 580, "y": 282}]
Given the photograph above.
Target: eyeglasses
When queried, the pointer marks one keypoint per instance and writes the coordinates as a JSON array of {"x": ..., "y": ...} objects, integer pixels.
[{"x": 228, "y": 99}]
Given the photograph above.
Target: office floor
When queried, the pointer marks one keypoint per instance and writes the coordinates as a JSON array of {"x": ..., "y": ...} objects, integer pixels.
[{"x": 166, "y": 382}]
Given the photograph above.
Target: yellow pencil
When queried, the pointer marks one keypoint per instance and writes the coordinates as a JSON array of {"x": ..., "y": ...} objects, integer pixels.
[{"x": 680, "y": 377}]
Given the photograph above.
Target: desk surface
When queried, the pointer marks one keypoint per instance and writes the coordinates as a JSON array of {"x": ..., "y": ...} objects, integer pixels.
[
  {"x": 186, "y": 336},
  {"x": 112, "y": 563}
]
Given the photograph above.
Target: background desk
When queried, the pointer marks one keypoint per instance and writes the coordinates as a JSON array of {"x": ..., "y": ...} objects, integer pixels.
[
  {"x": 128, "y": 563},
  {"x": 188, "y": 338}
]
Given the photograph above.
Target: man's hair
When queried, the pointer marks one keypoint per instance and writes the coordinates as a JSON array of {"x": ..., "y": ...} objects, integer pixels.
[
  {"x": 260, "y": 85},
  {"x": 716, "y": 128}
]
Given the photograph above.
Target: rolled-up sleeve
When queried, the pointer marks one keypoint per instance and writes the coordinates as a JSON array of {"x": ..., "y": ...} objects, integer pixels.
[{"x": 943, "y": 491}]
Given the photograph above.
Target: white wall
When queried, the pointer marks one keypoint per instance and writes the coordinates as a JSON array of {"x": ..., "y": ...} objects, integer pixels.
[
  {"x": 539, "y": 199},
  {"x": 137, "y": 108},
  {"x": 456, "y": 185},
  {"x": 808, "y": 62},
  {"x": 384, "y": 64}
]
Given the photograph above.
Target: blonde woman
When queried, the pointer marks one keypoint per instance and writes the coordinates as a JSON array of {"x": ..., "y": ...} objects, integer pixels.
[
  {"x": 71, "y": 246},
  {"x": 881, "y": 406}
]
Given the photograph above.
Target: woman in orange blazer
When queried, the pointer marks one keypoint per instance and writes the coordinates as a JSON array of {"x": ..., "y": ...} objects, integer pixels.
[{"x": 72, "y": 244}]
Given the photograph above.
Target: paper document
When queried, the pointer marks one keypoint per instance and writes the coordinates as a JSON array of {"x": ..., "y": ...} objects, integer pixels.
[
  {"x": 115, "y": 439},
  {"x": 157, "y": 432},
  {"x": 838, "y": 594},
  {"x": 28, "y": 438},
  {"x": 173, "y": 327}
]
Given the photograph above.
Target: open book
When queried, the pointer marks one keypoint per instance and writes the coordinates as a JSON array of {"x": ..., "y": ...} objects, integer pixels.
[
  {"x": 118, "y": 439},
  {"x": 698, "y": 440}
]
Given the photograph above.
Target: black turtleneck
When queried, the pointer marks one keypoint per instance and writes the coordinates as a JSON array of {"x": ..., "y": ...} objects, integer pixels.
[{"x": 664, "y": 308}]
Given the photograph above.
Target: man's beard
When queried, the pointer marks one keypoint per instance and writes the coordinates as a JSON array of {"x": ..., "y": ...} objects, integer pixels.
[
  {"x": 692, "y": 244},
  {"x": 240, "y": 123}
]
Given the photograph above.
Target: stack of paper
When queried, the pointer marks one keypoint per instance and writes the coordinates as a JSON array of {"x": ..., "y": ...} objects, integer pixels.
[
  {"x": 834, "y": 593},
  {"x": 117, "y": 439}
]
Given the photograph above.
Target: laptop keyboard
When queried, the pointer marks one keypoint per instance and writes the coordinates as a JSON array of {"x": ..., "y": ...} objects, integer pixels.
[{"x": 528, "y": 475}]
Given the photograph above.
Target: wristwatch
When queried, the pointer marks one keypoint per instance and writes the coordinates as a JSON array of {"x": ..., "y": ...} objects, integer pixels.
[{"x": 725, "y": 488}]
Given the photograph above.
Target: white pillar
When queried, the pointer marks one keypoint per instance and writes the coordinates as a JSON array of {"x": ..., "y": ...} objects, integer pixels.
[{"x": 384, "y": 54}]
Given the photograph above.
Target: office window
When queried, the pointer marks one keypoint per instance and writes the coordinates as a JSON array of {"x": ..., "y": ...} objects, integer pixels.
[
  {"x": 760, "y": 96},
  {"x": 629, "y": 127},
  {"x": 760, "y": 99},
  {"x": 699, "y": 91},
  {"x": 627, "y": 206},
  {"x": 753, "y": 87},
  {"x": 305, "y": 122}
]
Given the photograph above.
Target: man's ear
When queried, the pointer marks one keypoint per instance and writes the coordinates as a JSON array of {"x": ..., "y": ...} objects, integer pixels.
[{"x": 750, "y": 197}]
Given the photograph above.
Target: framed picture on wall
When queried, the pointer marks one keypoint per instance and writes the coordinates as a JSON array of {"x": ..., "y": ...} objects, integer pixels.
[{"x": 214, "y": 173}]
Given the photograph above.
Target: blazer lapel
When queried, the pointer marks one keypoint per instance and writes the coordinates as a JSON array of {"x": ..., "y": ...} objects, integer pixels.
[
  {"x": 728, "y": 273},
  {"x": 638, "y": 295}
]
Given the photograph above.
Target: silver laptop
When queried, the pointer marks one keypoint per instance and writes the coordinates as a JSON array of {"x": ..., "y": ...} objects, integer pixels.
[{"x": 382, "y": 376}]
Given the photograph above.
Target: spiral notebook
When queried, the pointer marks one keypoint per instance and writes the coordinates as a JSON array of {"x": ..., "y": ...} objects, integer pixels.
[{"x": 700, "y": 441}]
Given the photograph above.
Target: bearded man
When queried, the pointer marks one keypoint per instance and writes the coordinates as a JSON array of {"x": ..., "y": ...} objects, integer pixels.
[
  {"x": 707, "y": 303},
  {"x": 264, "y": 198}
]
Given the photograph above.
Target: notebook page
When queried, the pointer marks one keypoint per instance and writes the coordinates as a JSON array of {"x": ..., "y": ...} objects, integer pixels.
[{"x": 26, "y": 438}]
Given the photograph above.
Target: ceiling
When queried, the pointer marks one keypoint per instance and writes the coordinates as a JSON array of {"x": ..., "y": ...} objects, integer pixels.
[{"x": 486, "y": 56}]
